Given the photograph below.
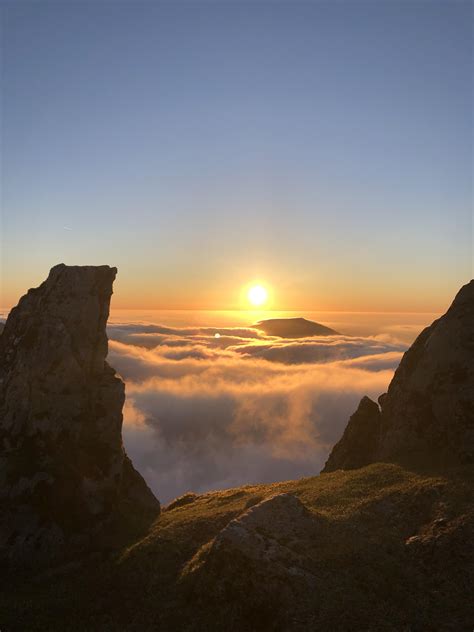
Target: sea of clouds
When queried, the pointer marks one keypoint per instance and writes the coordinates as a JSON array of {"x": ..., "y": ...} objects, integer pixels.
[{"x": 206, "y": 412}]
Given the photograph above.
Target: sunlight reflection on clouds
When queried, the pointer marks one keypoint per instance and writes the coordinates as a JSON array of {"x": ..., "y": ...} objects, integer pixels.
[{"x": 205, "y": 413}]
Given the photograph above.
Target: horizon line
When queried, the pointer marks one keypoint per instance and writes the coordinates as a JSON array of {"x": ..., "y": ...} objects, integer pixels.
[{"x": 253, "y": 311}]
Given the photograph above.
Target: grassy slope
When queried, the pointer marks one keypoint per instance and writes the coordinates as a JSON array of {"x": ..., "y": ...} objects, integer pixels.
[{"x": 369, "y": 581}]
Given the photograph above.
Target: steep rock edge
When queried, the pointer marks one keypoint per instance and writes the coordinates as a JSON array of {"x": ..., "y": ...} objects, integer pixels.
[
  {"x": 64, "y": 474},
  {"x": 358, "y": 444},
  {"x": 427, "y": 415}
]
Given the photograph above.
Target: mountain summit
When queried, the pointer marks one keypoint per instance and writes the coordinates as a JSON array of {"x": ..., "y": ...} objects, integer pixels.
[
  {"x": 293, "y": 328},
  {"x": 64, "y": 474},
  {"x": 427, "y": 415}
]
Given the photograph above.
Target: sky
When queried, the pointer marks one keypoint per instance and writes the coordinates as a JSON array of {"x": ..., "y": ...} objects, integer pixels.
[{"x": 323, "y": 149}]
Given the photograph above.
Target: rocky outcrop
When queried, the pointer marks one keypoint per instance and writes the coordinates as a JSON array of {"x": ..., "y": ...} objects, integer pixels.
[
  {"x": 64, "y": 474},
  {"x": 429, "y": 407},
  {"x": 358, "y": 445},
  {"x": 266, "y": 558},
  {"x": 269, "y": 532},
  {"x": 427, "y": 415},
  {"x": 181, "y": 501}
]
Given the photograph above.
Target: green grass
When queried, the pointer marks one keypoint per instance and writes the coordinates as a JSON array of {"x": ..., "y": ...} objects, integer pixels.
[{"x": 367, "y": 579}]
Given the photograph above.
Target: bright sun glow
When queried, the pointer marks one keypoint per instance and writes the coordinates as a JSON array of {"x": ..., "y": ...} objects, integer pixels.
[{"x": 257, "y": 295}]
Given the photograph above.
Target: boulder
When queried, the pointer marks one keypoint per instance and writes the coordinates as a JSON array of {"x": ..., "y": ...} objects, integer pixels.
[{"x": 264, "y": 563}]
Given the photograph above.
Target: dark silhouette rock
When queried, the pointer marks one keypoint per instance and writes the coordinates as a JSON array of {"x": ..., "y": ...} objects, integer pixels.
[
  {"x": 293, "y": 328},
  {"x": 358, "y": 444},
  {"x": 427, "y": 415},
  {"x": 64, "y": 473}
]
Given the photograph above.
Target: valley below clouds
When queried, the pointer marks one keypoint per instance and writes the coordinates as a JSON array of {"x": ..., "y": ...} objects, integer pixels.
[{"x": 206, "y": 412}]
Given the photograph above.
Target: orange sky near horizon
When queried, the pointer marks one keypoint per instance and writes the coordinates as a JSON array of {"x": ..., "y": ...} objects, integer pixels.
[
  {"x": 321, "y": 149},
  {"x": 143, "y": 290}
]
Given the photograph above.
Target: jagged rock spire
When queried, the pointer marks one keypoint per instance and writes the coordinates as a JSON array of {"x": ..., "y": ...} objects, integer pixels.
[{"x": 64, "y": 473}]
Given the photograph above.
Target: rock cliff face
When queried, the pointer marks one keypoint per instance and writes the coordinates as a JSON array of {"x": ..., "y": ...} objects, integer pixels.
[
  {"x": 64, "y": 474},
  {"x": 427, "y": 415}
]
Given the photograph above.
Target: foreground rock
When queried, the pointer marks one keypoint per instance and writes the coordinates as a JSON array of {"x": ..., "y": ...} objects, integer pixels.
[
  {"x": 293, "y": 328},
  {"x": 269, "y": 533},
  {"x": 359, "y": 442},
  {"x": 427, "y": 415},
  {"x": 265, "y": 558},
  {"x": 64, "y": 474}
]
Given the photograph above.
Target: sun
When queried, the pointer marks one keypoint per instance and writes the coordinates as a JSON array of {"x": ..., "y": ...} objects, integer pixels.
[{"x": 257, "y": 295}]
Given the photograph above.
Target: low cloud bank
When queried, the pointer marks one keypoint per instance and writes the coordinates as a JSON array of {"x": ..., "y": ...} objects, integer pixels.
[{"x": 206, "y": 412}]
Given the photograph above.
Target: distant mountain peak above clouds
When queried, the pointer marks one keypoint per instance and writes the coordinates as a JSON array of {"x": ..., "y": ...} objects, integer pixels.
[{"x": 293, "y": 328}]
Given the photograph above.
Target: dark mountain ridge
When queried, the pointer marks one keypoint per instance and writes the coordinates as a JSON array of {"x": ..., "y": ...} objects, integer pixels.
[{"x": 293, "y": 328}]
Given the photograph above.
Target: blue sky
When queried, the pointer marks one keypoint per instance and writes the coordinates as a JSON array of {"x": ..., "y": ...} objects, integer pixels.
[{"x": 323, "y": 148}]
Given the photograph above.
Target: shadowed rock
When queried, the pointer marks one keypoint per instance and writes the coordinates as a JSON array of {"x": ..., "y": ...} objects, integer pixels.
[
  {"x": 264, "y": 559},
  {"x": 358, "y": 444},
  {"x": 427, "y": 415},
  {"x": 181, "y": 501},
  {"x": 64, "y": 474},
  {"x": 267, "y": 532},
  {"x": 428, "y": 411}
]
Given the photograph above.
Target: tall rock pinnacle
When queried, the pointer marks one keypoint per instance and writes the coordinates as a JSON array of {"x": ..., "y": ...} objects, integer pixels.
[
  {"x": 427, "y": 415},
  {"x": 64, "y": 474}
]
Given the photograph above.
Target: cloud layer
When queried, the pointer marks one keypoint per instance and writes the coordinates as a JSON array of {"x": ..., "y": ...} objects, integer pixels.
[{"x": 206, "y": 412}]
